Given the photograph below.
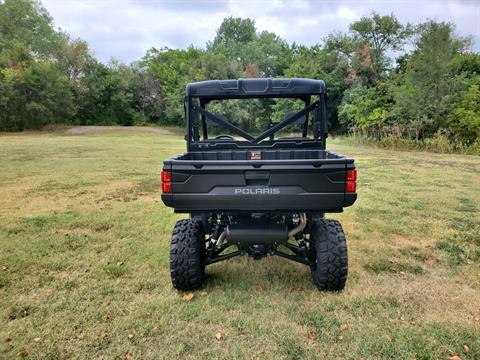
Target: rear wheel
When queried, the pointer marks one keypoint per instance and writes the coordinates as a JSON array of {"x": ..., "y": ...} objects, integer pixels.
[
  {"x": 187, "y": 255},
  {"x": 329, "y": 271}
]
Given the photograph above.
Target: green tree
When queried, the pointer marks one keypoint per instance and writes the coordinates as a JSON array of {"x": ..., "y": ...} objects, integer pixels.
[
  {"x": 324, "y": 63},
  {"x": 34, "y": 90},
  {"x": 174, "y": 68},
  {"x": 110, "y": 95},
  {"x": 269, "y": 53},
  {"x": 232, "y": 38},
  {"x": 465, "y": 117},
  {"x": 430, "y": 84},
  {"x": 217, "y": 67},
  {"x": 26, "y": 23},
  {"x": 366, "y": 109},
  {"x": 34, "y": 96},
  {"x": 263, "y": 54},
  {"x": 375, "y": 36},
  {"x": 74, "y": 57}
]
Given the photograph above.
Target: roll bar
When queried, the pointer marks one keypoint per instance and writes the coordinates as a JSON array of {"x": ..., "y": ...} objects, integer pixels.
[{"x": 207, "y": 91}]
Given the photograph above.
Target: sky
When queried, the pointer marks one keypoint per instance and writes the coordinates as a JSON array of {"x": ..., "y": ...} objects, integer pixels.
[{"x": 126, "y": 29}]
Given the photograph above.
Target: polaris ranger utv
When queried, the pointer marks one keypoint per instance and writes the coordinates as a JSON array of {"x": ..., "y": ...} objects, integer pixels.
[{"x": 258, "y": 194}]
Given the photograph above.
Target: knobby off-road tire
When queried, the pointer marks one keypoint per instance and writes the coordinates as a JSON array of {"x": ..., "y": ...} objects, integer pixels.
[
  {"x": 187, "y": 255},
  {"x": 330, "y": 270}
]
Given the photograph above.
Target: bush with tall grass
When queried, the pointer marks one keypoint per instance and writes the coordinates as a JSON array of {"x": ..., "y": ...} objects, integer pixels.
[{"x": 440, "y": 142}]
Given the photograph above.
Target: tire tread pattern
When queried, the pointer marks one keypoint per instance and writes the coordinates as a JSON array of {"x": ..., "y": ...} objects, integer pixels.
[
  {"x": 187, "y": 255},
  {"x": 331, "y": 267}
]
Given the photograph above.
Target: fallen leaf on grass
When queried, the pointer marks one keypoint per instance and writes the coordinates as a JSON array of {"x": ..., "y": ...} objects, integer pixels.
[
  {"x": 8, "y": 340},
  {"x": 340, "y": 338},
  {"x": 261, "y": 287},
  {"x": 188, "y": 297},
  {"x": 219, "y": 336},
  {"x": 131, "y": 336},
  {"x": 454, "y": 357},
  {"x": 298, "y": 289},
  {"x": 343, "y": 327},
  {"x": 312, "y": 335},
  {"x": 37, "y": 340},
  {"x": 23, "y": 352},
  {"x": 128, "y": 355},
  {"x": 466, "y": 349}
]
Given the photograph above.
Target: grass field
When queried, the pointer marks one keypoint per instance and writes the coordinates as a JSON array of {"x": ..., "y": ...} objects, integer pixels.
[{"x": 84, "y": 262}]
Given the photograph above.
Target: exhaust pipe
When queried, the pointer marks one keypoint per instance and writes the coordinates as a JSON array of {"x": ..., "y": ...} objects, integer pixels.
[
  {"x": 300, "y": 227},
  {"x": 268, "y": 233},
  {"x": 221, "y": 238},
  {"x": 257, "y": 233}
]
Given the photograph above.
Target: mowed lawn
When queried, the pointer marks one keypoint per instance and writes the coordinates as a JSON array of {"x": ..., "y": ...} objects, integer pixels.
[{"x": 84, "y": 271}]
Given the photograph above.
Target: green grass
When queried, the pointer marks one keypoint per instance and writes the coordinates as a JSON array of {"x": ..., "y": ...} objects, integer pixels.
[
  {"x": 383, "y": 265},
  {"x": 84, "y": 261}
]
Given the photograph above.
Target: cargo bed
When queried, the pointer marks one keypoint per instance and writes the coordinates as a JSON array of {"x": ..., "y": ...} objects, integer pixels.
[
  {"x": 259, "y": 180},
  {"x": 293, "y": 154}
]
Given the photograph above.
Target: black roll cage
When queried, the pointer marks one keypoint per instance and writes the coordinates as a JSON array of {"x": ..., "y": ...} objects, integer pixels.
[{"x": 195, "y": 107}]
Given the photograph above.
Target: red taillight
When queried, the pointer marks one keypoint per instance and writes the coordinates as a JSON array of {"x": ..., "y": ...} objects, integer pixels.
[
  {"x": 351, "y": 184},
  {"x": 167, "y": 187},
  {"x": 166, "y": 177},
  {"x": 351, "y": 175}
]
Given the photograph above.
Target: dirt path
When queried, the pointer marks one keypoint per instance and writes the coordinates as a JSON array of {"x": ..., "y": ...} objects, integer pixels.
[{"x": 82, "y": 130}]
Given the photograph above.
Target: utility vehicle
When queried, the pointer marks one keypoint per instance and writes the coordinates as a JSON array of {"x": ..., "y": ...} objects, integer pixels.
[{"x": 258, "y": 194}]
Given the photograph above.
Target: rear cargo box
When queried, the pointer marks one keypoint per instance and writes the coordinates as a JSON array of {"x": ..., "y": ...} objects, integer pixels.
[{"x": 280, "y": 180}]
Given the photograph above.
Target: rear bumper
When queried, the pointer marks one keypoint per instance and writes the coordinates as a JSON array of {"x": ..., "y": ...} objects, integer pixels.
[{"x": 223, "y": 201}]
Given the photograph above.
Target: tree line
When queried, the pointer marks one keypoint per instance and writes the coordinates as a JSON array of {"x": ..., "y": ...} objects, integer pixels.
[{"x": 384, "y": 78}]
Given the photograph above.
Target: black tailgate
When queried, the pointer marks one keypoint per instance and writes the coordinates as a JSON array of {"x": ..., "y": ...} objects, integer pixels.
[{"x": 276, "y": 185}]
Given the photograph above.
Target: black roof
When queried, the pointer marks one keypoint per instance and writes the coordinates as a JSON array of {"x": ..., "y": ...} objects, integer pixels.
[{"x": 245, "y": 88}]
